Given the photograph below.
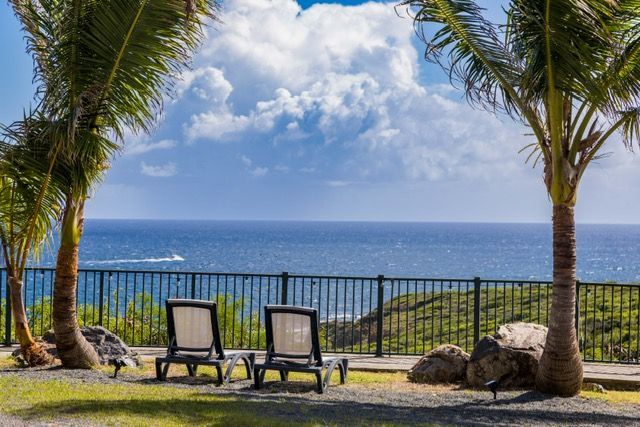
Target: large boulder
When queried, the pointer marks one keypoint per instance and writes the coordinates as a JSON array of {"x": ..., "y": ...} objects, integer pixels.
[
  {"x": 511, "y": 356},
  {"x": 107, "y": 344},
  {"x": 444, "y": 364}
]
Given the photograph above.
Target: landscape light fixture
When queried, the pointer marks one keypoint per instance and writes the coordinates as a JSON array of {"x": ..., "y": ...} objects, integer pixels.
[
  {"x": 493, "y": 388},
  {"x": 119, "y": 363}
]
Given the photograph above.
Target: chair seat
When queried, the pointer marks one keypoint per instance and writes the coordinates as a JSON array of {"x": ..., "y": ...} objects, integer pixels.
[
  {"x": 190, "y": 360},
  {"x": 196, "y": 359},
  {"x": 297, "y": 367},
  {"x": 287, "y": 367}
]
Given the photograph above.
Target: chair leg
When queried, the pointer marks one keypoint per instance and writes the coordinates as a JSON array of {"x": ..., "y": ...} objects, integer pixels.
[
  {"x": 321, "y": 386},
  {"x": 262, "y": 375},
  {"x": 284, "y": 375},
  {"x": 165, "y": 371},
  {"x": 248, "y": 363},
  {"x": 231, "y": 364},
  {"x": 159, "y": 375},
  {"x": 257, "y": 378},
  {"x": 344, "y": 370},
  {"x": 220, "y": 376},
  {"x": 330, "y": 367},
  {"x": 191, "y": 370}
]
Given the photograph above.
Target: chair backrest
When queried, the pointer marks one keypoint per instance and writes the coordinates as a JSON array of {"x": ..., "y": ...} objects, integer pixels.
[
  {"x": 292, "y": 333},
  {"x": 193, "y": 327}
]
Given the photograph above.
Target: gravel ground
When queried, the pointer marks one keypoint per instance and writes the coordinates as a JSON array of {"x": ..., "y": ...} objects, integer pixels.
[{"x": 369, "y": 404}]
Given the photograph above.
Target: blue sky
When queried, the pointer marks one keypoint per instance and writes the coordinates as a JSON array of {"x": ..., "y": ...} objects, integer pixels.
[{"x": 319, "y": 111}]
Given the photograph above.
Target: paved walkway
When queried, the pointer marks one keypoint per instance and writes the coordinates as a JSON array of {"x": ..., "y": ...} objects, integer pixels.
[{"x": 612, "y": 375}]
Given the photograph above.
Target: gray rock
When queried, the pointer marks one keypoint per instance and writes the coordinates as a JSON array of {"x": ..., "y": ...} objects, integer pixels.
[
  {"x": 444, "y": 364},
  {"x": 511, "y": 356},
  {"x": 107, "y": 344},
  {"x": 595, "y": 387},
  {"x": 49, "y": 337}
]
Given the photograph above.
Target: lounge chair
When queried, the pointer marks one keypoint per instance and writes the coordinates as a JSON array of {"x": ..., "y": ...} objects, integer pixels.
[
  {"x": 194, "y": 340},
  {"x": 293, "y": 345}
]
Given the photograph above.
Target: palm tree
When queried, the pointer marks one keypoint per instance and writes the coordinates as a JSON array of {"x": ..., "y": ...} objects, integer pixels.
[
  {"x": 570, "y": 71},
  {"x": 28, "y": 211},
  {"x": 103, "y": 66}
]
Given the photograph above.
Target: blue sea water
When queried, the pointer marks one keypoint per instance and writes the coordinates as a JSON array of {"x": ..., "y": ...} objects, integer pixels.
[{"x": 456, "y": 250}]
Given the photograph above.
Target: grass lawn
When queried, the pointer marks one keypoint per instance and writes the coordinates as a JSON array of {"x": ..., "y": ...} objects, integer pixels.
[
  {"x": 113, "y": 403},
  {"x": 613, "y": 396},
  {"x": 117, "y": 404}
]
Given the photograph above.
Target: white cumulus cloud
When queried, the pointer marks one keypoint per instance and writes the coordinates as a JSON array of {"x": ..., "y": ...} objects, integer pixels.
[
  {"x": 340, "y": 84},
  {"x": 260, "y": 171},
  {"x": 143, "y": 146},
  {"x": 206, "y": 83},
  {"x": 158, "y": 171}
]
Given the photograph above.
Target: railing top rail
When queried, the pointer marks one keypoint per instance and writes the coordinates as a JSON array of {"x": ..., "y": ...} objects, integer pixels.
[
  {"x": 428, "y": 279},
  {"x": 119, "y": 270},
  {"x": 612, "y": 285},
  {"x": 516, "y": 281},
  {"x": 333, "y": 277}
]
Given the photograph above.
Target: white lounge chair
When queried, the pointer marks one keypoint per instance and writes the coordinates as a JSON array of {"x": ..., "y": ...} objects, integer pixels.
[
  {"x": 293, "y": 345},
  {"x": 194, "y": 339}
]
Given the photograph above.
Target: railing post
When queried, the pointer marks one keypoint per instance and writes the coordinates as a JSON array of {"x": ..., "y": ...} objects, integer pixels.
[
  {"x": 7, "y": 311},
  {"x": 285, "y": 288},
  {"x": 101, "y": 300},
  {"x": 476, "y": 310},
  {"x": 380, "y": 316},
  {"x": 193, "y": 286},
  {"x": 577, "y": 310}
]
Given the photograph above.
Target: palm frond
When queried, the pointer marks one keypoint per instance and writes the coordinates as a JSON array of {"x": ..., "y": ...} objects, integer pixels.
[
  {"x": 119, "y": 57},
  {"x": 563, "y": 43},
  {"x": 469, "y": 48},
  {"x": 24, "y": 162}
]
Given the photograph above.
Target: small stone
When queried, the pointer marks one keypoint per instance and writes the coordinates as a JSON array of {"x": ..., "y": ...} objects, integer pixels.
[
  {"x": 444, "y": 364},
  {"x": 17, "y": 356}
]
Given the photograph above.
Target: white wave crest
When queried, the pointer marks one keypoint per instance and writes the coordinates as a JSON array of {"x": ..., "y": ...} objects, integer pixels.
[{"x": 172, "y": 258}]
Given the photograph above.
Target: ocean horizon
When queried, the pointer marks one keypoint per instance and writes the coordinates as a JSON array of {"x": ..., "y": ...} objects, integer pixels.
[{"x": 522, "y": 251}]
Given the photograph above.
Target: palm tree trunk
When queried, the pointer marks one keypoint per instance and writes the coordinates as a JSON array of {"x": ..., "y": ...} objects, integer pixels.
[
  {"x": 32, "y": 352},
  {"x": 560, "y": 369},
  {"x": 73, "y": 349}
]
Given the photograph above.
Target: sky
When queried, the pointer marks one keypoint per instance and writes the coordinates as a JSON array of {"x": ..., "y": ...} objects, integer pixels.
[{"x": 325, "y": 111}]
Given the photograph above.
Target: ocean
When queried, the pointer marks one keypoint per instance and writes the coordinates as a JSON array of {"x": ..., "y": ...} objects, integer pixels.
[{"x": 435, "y": 250}]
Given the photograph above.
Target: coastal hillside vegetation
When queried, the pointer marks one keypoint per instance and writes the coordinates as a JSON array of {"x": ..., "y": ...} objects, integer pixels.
[{"x": 413, "y": 323}]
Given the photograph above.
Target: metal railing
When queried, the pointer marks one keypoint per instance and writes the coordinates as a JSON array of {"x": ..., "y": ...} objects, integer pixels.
[{"x": 377, "y": 315}]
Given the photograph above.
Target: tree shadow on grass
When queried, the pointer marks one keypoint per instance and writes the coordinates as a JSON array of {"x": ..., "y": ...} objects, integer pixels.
[{"x": 238, "y": 407}]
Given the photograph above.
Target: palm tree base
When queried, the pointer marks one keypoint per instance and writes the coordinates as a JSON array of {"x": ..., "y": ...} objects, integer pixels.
[
  {"x": 34, "y": 355},
  {"x": 79, "y": 355},
  {"x": 559, "y": 376}
]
